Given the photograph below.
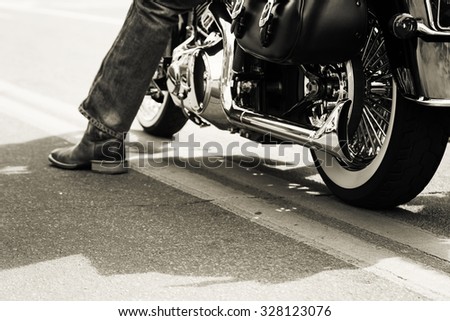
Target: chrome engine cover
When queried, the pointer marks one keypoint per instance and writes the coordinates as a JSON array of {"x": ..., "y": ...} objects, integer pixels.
[{"x": 194, "y": 79}]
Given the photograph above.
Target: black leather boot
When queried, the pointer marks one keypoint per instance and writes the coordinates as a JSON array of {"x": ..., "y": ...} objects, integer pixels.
[{"x": 97, "y": 151}]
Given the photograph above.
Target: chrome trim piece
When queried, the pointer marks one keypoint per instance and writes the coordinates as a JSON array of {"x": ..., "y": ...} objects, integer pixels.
[
  {"x": 237, "y": 9},
  {"x": 431, "y": 17},
  {"x": 325, "y": 139},
  {"x": 431, "y": 102},
  {"x": 267, "y": 11},
  {"x": 424, "y": 30},
  {"x": 420, "y": 27},
  {"x": 430, "y": 14}
]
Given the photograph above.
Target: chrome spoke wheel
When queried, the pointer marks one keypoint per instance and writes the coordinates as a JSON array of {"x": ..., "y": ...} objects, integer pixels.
[
  {"x": 368, "y": 82},
  {"x": 366, "y": 142},
  {"x": 385, "y": 165}
]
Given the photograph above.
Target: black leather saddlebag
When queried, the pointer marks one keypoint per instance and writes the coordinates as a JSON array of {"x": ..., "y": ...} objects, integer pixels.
[{"x": 300, "y": 31}]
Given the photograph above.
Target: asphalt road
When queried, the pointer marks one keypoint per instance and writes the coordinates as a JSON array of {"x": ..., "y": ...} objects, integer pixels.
[{"x": 180, "y": 226}]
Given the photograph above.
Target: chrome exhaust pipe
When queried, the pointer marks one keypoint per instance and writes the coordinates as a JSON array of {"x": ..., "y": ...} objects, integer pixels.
[{"x": 327, "y": 139}]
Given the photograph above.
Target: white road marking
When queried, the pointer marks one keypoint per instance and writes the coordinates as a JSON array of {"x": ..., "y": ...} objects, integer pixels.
[
  {"x": 6, "y": 16},
  {"x": 89, "y": 4},
  {"x": 47, "y": 114},
  {"x": 27, "y": 8},
  {"x": 14, "y": 170}
]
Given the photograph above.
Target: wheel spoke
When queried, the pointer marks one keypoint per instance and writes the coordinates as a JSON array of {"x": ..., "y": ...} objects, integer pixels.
[
  {"x": 381, "y": 117},
  {"x": 379, "y": 96},
  {"x": 374, "y": 120},
  {"x": 377, "y": 104},
  {"x": 362, "y": 139},
  {"x": 372, "y": 45},
  {"x": 379, "y": 59},
  {"x": 379, "y": 77},
  {"x": 374, "y": 55},
  {"x": 381, "y": 68},
  {"x": 372, "y": 31},
  {"x": 368, "y": 131}
]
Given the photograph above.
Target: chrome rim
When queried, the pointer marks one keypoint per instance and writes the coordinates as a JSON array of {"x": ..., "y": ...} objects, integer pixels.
[
  {"x": 151, "y": 110},
  {"x": 365, "y": 144},
  {"x": 368, "y": 120},
  {"x": 377, "y": 108}
]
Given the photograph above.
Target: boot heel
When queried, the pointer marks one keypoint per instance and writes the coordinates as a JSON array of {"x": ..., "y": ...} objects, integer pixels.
[{"x": 109, "y": 167}]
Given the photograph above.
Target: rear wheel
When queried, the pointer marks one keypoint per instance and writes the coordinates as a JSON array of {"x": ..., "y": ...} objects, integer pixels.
[{"x": 395, "y": 146}]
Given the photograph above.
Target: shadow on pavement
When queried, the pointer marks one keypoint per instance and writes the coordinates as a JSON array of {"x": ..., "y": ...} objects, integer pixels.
[{"x": 133, "y": 224}]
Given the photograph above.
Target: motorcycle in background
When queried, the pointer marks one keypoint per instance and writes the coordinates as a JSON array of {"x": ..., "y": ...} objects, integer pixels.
[{"x": 364, "y": 84}]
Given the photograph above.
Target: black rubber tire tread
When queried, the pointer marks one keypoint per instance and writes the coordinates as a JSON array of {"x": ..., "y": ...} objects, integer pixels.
[
  {"x": 170, "y": 122},
  {"x": 416, "y": 148}
]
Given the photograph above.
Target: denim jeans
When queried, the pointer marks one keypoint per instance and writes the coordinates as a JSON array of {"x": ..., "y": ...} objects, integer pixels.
[{"x": 125, "y": 73}]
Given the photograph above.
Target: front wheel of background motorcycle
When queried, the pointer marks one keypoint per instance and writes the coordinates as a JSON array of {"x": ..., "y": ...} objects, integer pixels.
[
  {"x": 158, "y": 115},
  {"x": 412, "y": 148},
  {"x": 161, "y": 117}
]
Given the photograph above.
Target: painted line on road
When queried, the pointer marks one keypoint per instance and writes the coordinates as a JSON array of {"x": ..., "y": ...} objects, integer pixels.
[
  {"x": 369, "y": 257},
  {"x": 6, "y": 16},
  {"x": 35, "y": 118},
  {"x": 61, "y": 13},
  {"x": 47, "y": 114}
]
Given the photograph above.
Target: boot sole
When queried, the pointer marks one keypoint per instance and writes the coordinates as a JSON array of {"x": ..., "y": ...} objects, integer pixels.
[
  {"x": 109, "y": 167},
  {"x": 97, "y": 166}
]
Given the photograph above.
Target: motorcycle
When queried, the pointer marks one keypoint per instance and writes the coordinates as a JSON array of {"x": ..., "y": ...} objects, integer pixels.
[{"x": 364, "y": 84}]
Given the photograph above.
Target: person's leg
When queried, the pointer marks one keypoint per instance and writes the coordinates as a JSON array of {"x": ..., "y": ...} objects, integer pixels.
[
  {"x": 123, "y": 78},
  {"x": 127, "y": 69}
]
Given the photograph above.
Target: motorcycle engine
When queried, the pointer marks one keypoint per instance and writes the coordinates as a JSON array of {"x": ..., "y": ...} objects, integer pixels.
[
  {"x": 266, "y": 88},
  {"x": 194, "y": 79},
  {"x": 195, "y": 73}
]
